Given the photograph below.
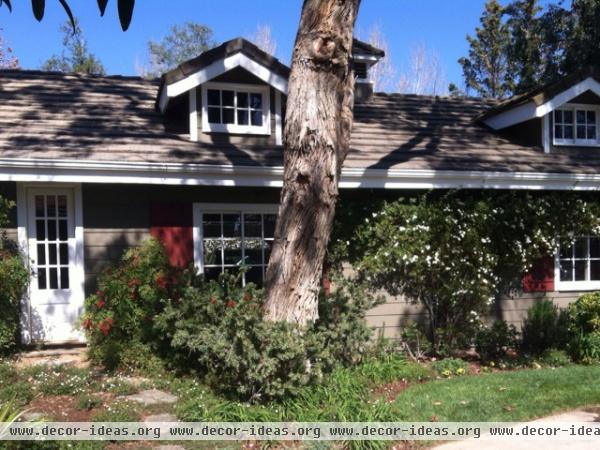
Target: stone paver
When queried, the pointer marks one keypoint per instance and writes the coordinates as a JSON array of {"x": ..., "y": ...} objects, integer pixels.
[
  {"x": 151, "y": 397},
  {"x": 32, "y": 416},
  {"x": 593, "y": 418},
  {"x": 161, "y": 418}
]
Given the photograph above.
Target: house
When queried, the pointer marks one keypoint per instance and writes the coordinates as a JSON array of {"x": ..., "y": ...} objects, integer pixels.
[{"x": 97, "y": 164}]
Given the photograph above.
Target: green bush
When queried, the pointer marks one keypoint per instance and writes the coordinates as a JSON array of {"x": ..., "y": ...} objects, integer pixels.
[
  {"x": 555, "y": 358},
  {"x": 491, "y": 342},
  {"x": 217, "y": 329},
  {"x": 450, "y": 366},
  {"x": 119, "y": 316},
  {"x": 13, "y": 282},
  {"x": 545, "y": 327},
  {"x": 584, "y": 325}
]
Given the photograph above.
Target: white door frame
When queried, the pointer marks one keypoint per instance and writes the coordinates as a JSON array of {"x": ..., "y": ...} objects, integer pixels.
[{"x": 77, "y": 273}]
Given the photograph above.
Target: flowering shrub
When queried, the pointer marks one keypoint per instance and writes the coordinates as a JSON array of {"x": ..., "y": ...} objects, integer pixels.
[
  {"x": 217, "y": 330},
  {"x": 456, "y": 251},
  {"x": 492, "y": 341},
  {"x": 120, "y": 314},
  {"x": 584, "y": 325},
  {"x": 545, "y": 327},
  {"x": 450, "y": 367},
  {"x": 13, "y": 283}
]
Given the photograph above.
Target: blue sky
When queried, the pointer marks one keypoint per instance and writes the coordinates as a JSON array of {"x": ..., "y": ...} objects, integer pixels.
[{"x": 440, "y": 25}]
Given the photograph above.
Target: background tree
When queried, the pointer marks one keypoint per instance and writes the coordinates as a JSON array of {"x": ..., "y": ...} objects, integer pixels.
[
  {"x": 7, "y": 58},
  {"x": 263, "y": 39},
  {"x": 583, "y": 36},
  {"x": 383, "y": 74},
  {"x": 486, "y": 69},
  {"x": 76, "y": 57},
  {"x": 425, "y": 75},
  {"x": 316, "y": 141},
  {"x": 183, "y": 42}
]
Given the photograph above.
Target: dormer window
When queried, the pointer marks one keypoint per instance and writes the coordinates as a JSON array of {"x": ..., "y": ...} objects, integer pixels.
[
  {"x": 235, "y": 108},
  {"x": 576, "y": 125}
]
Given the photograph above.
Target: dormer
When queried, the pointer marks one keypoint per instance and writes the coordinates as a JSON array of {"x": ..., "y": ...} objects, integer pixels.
[
  {"x": 364, "y": 57},
  {"x": 563, "y": 116},
  {"x": 233, "y": 93}
]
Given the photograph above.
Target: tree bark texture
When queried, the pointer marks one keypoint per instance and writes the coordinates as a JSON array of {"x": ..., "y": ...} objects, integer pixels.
[{"x": 316, "y": 141}]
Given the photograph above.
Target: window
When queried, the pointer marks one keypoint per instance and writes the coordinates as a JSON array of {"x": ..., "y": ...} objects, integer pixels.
[
  {"x": 234, "y": 108},
  {"x": 229, "y": 237},
  {"x": 577, "y": 125},
  {"x": 579, "y": 264}
]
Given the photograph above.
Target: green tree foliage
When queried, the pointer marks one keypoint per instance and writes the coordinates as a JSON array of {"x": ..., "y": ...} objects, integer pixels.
[
  {"x": 7, "y": 58},
  {"x": 76, "y": 57},
  {"x": 184, "y": 42},
  {"x": 582, "y": 47},
  {"x": 456, "y": 252},
  {"x": 486, "y": 68}
]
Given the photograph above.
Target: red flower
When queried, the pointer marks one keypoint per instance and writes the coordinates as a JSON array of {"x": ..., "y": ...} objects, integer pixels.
[
  {"x": 247, "y": 296},
  {"x": 87, "y": 324},
  {"x": 161, "y": 282},
  {"x": 105, "y": 327},
  {"x": 134, "y": 282},
  {"x": 100, "y": 303},
  {"x": 230, "y": 303},
  {"x": 109, "y": 320},
  {"x": 100, "y": 293},
  {"x": 213, "y": 301}
]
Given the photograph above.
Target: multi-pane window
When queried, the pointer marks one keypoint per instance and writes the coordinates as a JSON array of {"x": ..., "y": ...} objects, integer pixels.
[
  {"x": 233, "y": 239},
  {"x": 579, "y": 261},
  {"x": 52, "y": 246},
  {"x": 576, "y": 126},
  {"x": 236, "y": 109}
]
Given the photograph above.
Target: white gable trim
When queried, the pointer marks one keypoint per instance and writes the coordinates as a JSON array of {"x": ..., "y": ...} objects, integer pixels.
[
  {"x": 220, "y": 67},
  {"x": 530, "y": 110}
]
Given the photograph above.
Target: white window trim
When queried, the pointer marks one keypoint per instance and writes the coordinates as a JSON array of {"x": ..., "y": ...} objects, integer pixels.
[
  {"x": 265, "y": 129},
  {"x": 199, "y": 209},
  {"x": 565, "y": 286},
  {"x": 577, "y": 142}
]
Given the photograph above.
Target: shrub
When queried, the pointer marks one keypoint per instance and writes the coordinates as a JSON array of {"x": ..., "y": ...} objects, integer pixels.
[
  {"x": 555, "y": 358},
  {"x": 87, "y": 402},
  {"x": 414, "y": 342},
  {"x": 120, "y": 314},
  {"x": 217, "y": 329},
  {"x": 584, "y": 325},
  {"x": 545, "y": 327},
  {"x": 450, "y": 366},
  {"x": 492, "y": 341}
]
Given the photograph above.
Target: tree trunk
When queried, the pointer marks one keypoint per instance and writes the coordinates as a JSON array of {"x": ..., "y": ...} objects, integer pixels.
[{"x": 316, "y": 141}]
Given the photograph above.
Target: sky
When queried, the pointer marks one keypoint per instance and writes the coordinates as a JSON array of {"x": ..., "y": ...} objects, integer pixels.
[{"x": 439, "y": 25}]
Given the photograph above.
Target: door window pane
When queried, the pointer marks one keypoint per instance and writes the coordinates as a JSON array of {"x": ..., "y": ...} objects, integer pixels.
[
  {"x": 52, "y": 230},
  {"x": 41, "y": 254},
  {"x": 40, "y": 230},
  {"x": 52, "y": 254},
  {"x": 64, "y": 278},
  {"x": 53, "y": 278},
  {"x": 39, "y": 206},
  {"x": 64, "y": 254},
  {"x": 62, "y": 230},
  {"x": 41, "y": 276},
  {"x": 62, "y": 206},
  {"x": 51, "y": 205}
]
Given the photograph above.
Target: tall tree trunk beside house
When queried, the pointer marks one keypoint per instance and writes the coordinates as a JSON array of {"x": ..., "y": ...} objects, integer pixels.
[{"x": 316, "y": 141}]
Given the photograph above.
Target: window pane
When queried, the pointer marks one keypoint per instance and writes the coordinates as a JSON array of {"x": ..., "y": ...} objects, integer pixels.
[
  {"x": 53, "y": 278},
  {"x": 39, "y": 205},
  {"x": 256, "y": 101},
  {"x": 214, "y": 115},
  {"x": 51, "y": 230},
  {"x": 62, "y": 230},
  {"x": 594, "y": 270},
  {"x": 566, "y": 270},
  {"x": 212, "y": 273},
  {"x": 591, "y": 132},
  {"x": 256, "y": 117},
  {"x": 228, "y": 115},
  {"x": 52, "y": 256},
  {"x": 232, "y": 225},
  {"x": 41, "y": 254},
  {"x": 581, "y": 131},
  {"x": 581, "y": 248},
  {"x": 242, "y": 115},
  {"x": 41, "y": 275},
  {"x": 558, "y": 116},
  {"x": 40, "y": 230},
  {"x": 62, "y": 206},
  {"x": 227, "y": 98},
  {"x": 580, "y": 266},
  {"x": 568, "y": 132},
  {"x": 64, "y": 254},
  {"x": 254, "y": 275},
  {"x": 591, "y": 117},
  {"x": 242, "y": 99},
  {"x": 270, "y": 220},
  {"x": 211, "y": 225},
  {"x": 558, "y": 132},
  {"x": 252, "y": 225},
  {"x": 64, "y": 278},
  {"x": 568, "y": 116},
  {"x": 580, "y": 116},
  {"x": 212, "y": 252},
  {"x": 268, "y": 246},
  {"x": 213, "y": 97},
  {"x": 51, "y": 205},
  {"x": 594, "y": 247},
  {"x": 233, "y": 252},
  {"x": 253, "y": 251}
]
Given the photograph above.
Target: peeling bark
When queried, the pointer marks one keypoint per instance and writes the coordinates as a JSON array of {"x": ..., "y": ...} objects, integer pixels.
[{"x": 316, "y": 141}]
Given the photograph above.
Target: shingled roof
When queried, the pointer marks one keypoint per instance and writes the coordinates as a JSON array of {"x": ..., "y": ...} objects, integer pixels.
[{"x": 84, "y": 118}]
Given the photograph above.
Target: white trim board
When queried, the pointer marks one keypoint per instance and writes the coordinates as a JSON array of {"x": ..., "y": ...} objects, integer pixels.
[
  {"x": 530, "y": 110},
  {"x": 73, "y": 171},
  {"x": 217, "y": 68}
]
